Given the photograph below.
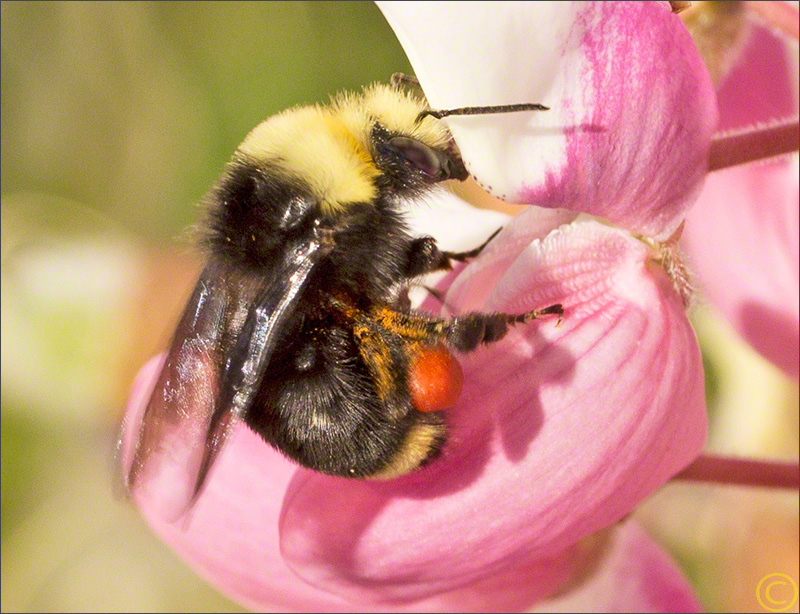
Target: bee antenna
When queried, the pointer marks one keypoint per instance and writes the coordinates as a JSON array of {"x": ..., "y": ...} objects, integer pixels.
[
  {"x": 399, "y": 79},
  {"x": 503, "y": 108}
]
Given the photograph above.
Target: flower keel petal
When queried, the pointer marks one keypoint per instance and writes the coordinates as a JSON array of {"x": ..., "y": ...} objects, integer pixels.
[
  {"x": 231, "y": 536},
  {"x": 559, "y": 432}
]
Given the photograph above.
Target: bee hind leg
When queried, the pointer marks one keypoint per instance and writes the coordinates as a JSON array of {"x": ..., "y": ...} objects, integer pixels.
[{"x": 464, "y": 332}]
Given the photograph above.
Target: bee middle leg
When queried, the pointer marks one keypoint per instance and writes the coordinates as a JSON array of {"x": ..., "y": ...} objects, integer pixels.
[{"x": 424, "y": 256}]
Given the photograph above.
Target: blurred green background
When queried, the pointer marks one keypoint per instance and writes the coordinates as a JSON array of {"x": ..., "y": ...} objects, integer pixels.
[{"x": 116, "y": 118}]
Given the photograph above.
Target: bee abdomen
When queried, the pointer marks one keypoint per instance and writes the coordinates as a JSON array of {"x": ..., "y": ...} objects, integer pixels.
[
  {"x": 423, "y": 443},
  {"x": 323, "y": 408}
]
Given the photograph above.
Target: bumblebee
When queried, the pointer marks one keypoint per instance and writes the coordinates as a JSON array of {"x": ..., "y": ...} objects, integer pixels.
[{"x": 297, "y": 325}]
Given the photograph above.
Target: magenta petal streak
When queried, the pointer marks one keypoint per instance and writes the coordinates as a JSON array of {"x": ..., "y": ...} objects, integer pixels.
[
  {"x": 632, "y": 108},
  {"x": 643, "y": 111},
  {"x": 559, "y": 432}
]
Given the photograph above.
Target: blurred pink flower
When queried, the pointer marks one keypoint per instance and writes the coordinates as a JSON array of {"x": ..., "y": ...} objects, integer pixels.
[
  {"x": 742, "y": 235},
  {"x": 232, "y": 540},
  {"x": 560, "y": 431}
]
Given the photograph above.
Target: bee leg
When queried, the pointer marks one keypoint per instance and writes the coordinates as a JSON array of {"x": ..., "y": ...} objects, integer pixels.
[
  {"x": 403, "y": 300},
  {"x": 464, "y": 256},
  {"x": 424, "y": 256},
  {"x": 464, "y": 332},
  {"x": 437, "y": 295}
]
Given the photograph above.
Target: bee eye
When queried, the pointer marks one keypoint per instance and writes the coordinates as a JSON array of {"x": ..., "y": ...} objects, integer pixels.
[{"x": 421, "y": 156}]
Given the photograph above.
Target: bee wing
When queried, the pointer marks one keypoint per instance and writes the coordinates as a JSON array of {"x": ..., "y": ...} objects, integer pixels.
[{"x": 214, "y": 367}]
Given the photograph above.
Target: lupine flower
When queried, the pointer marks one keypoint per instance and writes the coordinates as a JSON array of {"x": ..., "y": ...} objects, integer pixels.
[
  {"x": 742, "y": 235},
  {"x": 560, "y": 431}
]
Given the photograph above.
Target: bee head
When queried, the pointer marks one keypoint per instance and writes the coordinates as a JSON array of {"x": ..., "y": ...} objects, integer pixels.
[
  {"x": 410, "y": 151},
  {"x": 363, "y": 146}
]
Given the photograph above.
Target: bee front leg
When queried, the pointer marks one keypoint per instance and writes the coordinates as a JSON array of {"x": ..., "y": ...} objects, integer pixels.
[
  {"x": 424, "y": 256},
  {"x": 464, "y": 256}
]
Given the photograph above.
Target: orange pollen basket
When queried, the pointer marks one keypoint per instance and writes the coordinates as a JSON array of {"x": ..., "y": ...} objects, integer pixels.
[{"x": 435, "y": 379}]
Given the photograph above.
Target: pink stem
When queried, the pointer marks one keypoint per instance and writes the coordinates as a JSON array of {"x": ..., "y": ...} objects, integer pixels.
[
  {"x": 753, "y": 143},
  {"x": 742, "y": 472},
  {"x": 779, "y": 15}
]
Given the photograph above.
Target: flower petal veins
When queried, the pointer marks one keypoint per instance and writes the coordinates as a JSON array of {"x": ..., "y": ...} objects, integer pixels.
[{"x": 632, "y": 108}]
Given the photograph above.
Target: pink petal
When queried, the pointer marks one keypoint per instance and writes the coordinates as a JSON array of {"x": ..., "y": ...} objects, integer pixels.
[
  {"x": 632, "y": 108},
  {"x": 742, "y": 237},
  {"x": 231, "y": 535},
  {"x": 228, "y": 537},
  {"x": 470, "y": 291},
  {"x": 762, "y": 86},
  {"x": 560, "y": 432},
  {"x": 634, "y": 575}
]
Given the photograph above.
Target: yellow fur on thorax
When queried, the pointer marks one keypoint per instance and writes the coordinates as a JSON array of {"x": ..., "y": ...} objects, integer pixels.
[
  {"x": 312, "y": 144},
  {"x": 330, "y": 147}
]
